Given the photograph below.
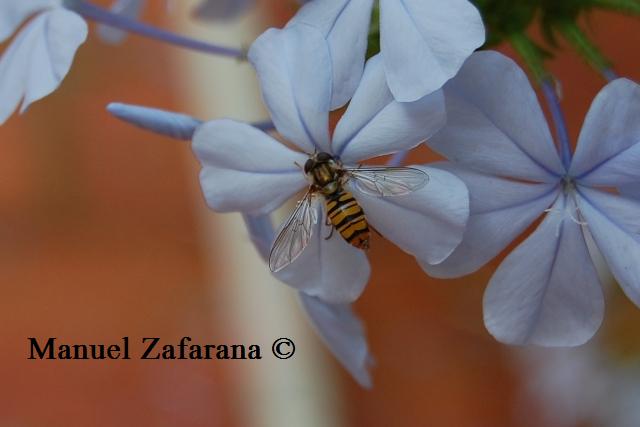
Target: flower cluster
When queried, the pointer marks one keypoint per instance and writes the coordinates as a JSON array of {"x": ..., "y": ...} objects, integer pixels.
[
  {"x": 426, "y": 84},
  {"x": 41, "y": 54},
  {"x": 246, "y": 170},
  {"x": 547, "y": 291}
]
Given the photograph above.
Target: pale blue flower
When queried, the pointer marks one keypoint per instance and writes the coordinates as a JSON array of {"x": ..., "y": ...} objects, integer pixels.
[
  {"x": 343, "y": 332},
  {"x": 423, "y": 42},
  {"x": 631, "y": 190},
  {"x": 546, "y": 292},
  {"x": 40, "y": 56},
  {"x": 247, "y": 170},
  {"x": 337, "y": 325}
]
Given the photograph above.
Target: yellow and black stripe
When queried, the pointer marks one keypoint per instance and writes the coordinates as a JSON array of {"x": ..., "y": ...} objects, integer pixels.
[{"x": 348, "y": 218}]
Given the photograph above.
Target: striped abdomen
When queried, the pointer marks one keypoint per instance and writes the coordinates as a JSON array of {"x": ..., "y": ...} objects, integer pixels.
[{"x": 347, "y": 217}]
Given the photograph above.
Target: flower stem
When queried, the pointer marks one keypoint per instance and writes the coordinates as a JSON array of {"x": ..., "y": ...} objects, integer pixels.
[
  {"x": 630, "y": 6},
  {"x": 104, "y": 16},
  {"x": 533, "y": 58},
  {"x": 548, "y": 88},
  {"x": 609, "y": 74},
  {"x": 574, "y": 35},
  {"x": 531, "y": 54},
  {"x": 167, "y": 123}
]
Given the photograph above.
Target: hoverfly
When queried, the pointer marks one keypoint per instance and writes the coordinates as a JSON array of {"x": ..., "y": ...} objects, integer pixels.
[{"x": 328, "y": 177}]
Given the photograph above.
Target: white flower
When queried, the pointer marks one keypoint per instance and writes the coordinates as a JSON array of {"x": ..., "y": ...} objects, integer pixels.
[
  {"x": 547, "y": 291},
  {"x": 343, "y": 333},
  {"x": 423, "y": 42},
  {"x": 246, "y": 170},
  {"x": 337, "y": 325},
  {"x": 40, "y": 56}
]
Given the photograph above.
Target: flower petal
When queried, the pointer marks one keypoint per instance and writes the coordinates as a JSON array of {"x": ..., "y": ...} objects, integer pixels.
[
  {"x": 493, "y": 133},
  {"x": 39, "y": 58},
  {"x": 631, "y": 190},
  {"x": 243, "y": 169},
  {"x": 13, "y": 13},
  {"x": 345, "y": 25},
  {"x": 129, "y": 8},
  {"x": 546, "y": 292},
  {"x": 614, "y": 222},
  {"x": 343, "y": 333},
  {"x": 428, "y": 223},
  {"x": 425, "y": 42},
  {"x": 221, "y": 9},
  {"x": 261, "y": 233},
  {"x": 294, "y": 69},
  {"x": 608, "y": 151},
  {"x": 501, "y": 210},
  {"x": 329, "y": 269},
  {"x": 375, "y": 124},
  {"x": 174, "y": 125}
]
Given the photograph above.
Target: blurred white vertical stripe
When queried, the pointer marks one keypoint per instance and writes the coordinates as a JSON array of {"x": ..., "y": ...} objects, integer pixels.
[{"x": 301, "y": 391}]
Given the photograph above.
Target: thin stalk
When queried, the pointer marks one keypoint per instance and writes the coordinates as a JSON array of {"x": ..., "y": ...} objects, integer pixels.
[
  {"x": 534, "y": 60},
  {"x": 553, "y": 102},
  {"x": 104, "y": 16},
  {"x": 609, "y": 74},
  {"x": 580, "y": 41},
  {"x": 168, "y": 123},
  {"x": 629, "y": 6},
  {"x": 531, "y": 54}
]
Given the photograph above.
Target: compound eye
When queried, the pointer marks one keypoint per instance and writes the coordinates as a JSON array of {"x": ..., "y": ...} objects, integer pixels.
[
  {"x": 324, "y": 157},
  {"x": 308, "y": 166}
]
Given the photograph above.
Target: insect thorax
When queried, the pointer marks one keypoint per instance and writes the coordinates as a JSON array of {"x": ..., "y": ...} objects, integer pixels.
[{"x": 324, "y": 172}]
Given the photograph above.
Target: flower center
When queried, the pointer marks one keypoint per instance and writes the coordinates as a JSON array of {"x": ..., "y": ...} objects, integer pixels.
[
  {"x": 571, "y": 193},
  {"x": 571, "y": 206},
  {"x": 569, "y": 186}
]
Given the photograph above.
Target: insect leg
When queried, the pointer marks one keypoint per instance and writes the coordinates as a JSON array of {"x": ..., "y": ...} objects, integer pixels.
[
  {"x": 330, "y": 234},
  {"x": 327, "y": 222}
]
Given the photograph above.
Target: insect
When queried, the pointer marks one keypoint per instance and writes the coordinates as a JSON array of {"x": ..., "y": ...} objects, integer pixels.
[{"x": 328, "y": 177}]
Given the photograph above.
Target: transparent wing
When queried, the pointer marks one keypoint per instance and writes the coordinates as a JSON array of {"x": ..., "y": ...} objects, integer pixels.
[
  {"x": 294, "y": 236},
  {"x": 388, "y": 181}
]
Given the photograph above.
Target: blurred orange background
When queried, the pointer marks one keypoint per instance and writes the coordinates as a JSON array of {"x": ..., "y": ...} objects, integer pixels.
[{"x": 100, "y": 238}]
